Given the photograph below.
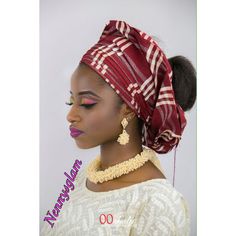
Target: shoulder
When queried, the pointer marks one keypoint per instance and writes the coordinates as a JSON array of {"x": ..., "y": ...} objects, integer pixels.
[
  {"x": 167, "y": 200},
  {"x": 166, "y": 212},
  {"x": 164, "y": 197}
]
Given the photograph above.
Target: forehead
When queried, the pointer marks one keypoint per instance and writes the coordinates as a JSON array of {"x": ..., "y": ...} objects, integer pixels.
[{"x": 86, "y": 78}]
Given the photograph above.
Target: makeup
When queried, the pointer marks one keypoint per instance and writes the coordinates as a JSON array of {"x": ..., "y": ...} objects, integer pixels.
[
  {"x": 75, "y": 132},
  {"x": 87, "y": 101},
  {"x": 86, "y": 93}
]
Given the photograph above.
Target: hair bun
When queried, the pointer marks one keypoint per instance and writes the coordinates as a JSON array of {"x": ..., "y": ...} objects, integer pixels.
[{"x": 183, "y": 81}]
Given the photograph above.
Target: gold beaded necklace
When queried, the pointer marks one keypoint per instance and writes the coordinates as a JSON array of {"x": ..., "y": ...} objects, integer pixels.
[{"x": 95, "y": 175}]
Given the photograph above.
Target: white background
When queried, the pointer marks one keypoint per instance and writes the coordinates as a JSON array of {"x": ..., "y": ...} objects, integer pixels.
[
  {"x": 67, "y": 31},
  {"x": 19, "y": 102}
]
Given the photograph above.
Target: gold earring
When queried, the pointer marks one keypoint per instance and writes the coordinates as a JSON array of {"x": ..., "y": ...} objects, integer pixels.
[{"x": 124, "y": 136}]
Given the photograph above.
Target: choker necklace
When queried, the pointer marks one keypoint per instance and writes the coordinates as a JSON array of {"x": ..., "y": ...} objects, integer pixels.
[{"x": 95, "y": 175}]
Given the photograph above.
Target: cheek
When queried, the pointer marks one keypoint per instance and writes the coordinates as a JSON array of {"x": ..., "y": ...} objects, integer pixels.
[{"x": 104, "y": 120}]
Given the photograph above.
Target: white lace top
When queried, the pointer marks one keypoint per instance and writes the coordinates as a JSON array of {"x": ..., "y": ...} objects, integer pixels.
[{"x": 149, "y": 208}]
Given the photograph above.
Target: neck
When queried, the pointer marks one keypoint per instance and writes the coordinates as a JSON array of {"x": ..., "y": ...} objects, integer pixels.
[{"x": 113, "y": 153}]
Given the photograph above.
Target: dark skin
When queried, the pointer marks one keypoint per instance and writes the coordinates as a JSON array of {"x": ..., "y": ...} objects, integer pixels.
[{"x": 101, "y": 124}]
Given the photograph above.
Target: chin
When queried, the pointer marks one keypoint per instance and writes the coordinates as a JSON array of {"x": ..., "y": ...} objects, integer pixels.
[{"x": 84, "y": 145}]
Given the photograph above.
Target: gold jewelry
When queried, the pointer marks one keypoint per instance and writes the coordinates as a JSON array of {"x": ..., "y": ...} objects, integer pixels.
[
  {"x": 95, "y": 175},
  {"x": 124, "y": 136}
]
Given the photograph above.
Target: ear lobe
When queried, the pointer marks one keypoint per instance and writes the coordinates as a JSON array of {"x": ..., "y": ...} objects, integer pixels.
[
  {"x": 131, "y": 115},
  {"x": 127, "y": 112}
]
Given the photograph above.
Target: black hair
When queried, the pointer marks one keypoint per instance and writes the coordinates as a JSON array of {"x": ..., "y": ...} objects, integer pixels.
[{"x": 183, "y": 81}]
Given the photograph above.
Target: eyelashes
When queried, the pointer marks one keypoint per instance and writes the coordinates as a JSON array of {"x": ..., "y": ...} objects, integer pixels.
[
  {"x": 69, "y": 103},
  {"x": 87, "y": 106}
]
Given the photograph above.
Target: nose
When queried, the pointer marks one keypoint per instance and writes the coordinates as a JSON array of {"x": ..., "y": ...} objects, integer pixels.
[{"x": 73, "y": 115}]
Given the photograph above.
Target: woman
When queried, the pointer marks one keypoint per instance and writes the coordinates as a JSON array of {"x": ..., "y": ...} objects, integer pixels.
[{"x": 129, "y": 99}]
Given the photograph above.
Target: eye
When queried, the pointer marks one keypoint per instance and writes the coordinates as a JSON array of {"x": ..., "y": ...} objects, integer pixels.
[{"x": 86, "y": 106}]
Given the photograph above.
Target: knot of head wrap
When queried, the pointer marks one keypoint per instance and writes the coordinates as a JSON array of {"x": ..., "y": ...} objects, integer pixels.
[{"x": 133, "y": 64}]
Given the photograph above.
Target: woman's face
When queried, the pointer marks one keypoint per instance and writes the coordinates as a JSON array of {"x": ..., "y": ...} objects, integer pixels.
[{"x": 94, "y": 109}]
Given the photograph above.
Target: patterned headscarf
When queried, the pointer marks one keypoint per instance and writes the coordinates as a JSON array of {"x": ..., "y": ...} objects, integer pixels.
[{"x": 133, "y": 64}]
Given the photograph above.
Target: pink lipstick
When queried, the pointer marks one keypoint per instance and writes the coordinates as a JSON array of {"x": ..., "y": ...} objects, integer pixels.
[{"x": 75, "y": 132}]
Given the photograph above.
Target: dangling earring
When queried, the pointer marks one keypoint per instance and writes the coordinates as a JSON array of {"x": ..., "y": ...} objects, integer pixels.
[{"x": 124, "y": 136}]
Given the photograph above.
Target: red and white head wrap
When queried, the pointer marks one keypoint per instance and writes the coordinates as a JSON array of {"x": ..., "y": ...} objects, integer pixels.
[{"x": 133, "y": 64}]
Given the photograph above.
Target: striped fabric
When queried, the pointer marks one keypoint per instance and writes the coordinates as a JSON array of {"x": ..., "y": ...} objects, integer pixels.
[{"x": 133, "y": 64}]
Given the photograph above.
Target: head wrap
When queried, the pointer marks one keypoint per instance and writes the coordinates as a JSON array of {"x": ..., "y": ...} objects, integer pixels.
[{"x": 133, "y": 64}]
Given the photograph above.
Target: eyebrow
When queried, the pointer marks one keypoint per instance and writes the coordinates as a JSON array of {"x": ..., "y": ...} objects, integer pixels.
[{"x": 86, "y": 92}]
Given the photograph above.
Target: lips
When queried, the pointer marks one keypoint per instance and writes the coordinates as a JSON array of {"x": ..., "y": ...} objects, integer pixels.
[{"x": 75, "y": 132}]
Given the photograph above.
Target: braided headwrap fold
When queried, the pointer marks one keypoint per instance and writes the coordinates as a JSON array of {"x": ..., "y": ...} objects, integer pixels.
[{"x": 132, "y": 63}]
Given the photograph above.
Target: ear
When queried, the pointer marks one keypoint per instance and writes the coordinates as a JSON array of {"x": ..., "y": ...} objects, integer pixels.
[{"x": 127, "y": 112}]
